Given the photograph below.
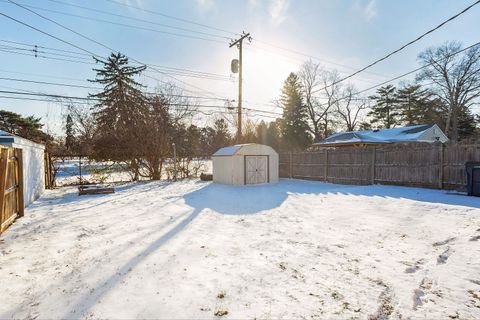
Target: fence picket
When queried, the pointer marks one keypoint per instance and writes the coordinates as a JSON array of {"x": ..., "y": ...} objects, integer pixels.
[{"x": 422, "y": 165}]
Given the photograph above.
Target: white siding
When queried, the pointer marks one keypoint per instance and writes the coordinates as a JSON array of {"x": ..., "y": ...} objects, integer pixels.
[
  {"x": 431, "y": 135},
  {"x": 33, "y": 168}
]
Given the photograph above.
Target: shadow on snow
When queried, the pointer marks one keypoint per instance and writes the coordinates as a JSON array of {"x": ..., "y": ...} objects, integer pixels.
[{"x": 236, "y": 200}]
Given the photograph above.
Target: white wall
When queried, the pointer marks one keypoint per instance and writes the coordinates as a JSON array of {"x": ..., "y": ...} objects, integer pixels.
[
  {"x": 33, "y": 168},
  {"x": 228, "y": 169},
  {"x": 231, "y": 169}
]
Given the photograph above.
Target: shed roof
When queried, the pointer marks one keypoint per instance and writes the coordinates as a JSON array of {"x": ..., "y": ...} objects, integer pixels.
[
  {"x": 401, "y": 134},
  {"x": 8, "y": 139},
  {"x": 228, "y": 151},
  {"x": 246, "y": 148}
]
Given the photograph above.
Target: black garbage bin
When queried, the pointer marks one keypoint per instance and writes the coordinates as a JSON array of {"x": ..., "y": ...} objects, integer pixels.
[{"x": 473, "y": 178}]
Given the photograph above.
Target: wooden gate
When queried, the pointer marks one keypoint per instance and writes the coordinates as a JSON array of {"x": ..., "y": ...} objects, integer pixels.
[{"x": 11, "y": 186}]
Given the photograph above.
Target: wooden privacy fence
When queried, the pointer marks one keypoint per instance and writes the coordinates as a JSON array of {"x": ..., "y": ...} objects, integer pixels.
[
  {"x": 423, "y": 165},
  {"x": 11, "y": 186}
]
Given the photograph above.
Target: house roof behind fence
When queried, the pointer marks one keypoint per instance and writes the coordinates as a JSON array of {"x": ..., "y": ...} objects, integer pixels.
[{"x": 401, "y": 134}]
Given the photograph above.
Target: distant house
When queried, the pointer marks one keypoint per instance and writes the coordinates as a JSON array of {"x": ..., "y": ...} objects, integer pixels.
[{"x": 427, "y": 133}]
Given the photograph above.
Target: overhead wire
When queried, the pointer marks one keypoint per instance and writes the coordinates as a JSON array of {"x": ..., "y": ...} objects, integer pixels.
[
  {"x": 173, "y": 17},
  {"x": 138, "y": 19},
  {"x": 403, "y": 46},
  {"x": 122, "y": 24},
  {"x": 87, "y": 38}
]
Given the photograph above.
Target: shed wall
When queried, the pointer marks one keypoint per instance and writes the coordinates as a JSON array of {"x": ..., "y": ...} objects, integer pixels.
[
  {"x": 228, "y": 169},
  {"x": 33, "y": 168},
  {"x": 273, "y": 167}
]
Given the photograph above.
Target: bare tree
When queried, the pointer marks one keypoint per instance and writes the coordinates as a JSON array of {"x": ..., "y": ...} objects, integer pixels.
[
  {"x": 162, "y": 125},
  {"x": 84, "y": 127},
  {"x": 320, "y": 93},
  {"x": 455, "y": 77},
  {"x": 349, "y": 108}
]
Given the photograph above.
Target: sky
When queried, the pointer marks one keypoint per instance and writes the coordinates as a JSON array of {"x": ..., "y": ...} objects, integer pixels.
[{"x": 195, "y": 34}]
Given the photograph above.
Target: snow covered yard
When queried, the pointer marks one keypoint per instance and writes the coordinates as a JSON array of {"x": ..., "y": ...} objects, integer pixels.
[{"x": 295, "y": 249}]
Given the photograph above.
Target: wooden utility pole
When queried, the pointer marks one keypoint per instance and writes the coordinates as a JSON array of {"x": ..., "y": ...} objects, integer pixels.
[{"x": 239, "y": 43}]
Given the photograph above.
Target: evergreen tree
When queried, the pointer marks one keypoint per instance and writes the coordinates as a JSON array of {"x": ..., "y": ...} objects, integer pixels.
[
  {"x": 384, "y": 112},
  {"x": 273, "y": 135},
  {"x": 121, "y": 110},
  {"x": 417, "y": 106},
  {"x": 294, "y": 127},
  {"x": 262, "y": 132},
  {"x": 467, "y": 123},
  {"x": 70, "y": 138},
  {"x": 26, "y": 127},
  {"x": 221, "y": 135}
]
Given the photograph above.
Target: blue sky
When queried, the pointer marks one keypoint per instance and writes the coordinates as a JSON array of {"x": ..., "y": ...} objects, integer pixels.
[{"x": 350, "y": 33}]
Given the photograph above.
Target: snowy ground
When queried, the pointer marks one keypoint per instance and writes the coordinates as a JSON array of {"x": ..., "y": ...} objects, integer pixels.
[{"x": 295, "y": 249}]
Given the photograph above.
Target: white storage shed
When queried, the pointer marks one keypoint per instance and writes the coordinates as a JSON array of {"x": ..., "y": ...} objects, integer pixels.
[
  {"x": 33, "y": 164},
  {"x": 245, "y": 164}
]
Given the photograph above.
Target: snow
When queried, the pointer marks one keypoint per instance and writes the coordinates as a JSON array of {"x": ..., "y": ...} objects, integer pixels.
[
  {"x": 294, "y": 249},
  {"x": 105, "y": 171},
  {"x": 400, "y": 134},
  {"x": 228, "y": 151}
]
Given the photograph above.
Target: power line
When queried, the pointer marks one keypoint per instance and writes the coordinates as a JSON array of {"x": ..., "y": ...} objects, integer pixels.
[
  {"x": 236, "y": 34},
  {"x": 402, "y": 47},
  {"x": 41, "y": 75},
  {"x": 138, "y": 19},
  {"x": 406, "y": 74},
  {"x": 42, "y": 56},
  {"x": 87, "y": 38},
  {"x": 49, "y": 83},
  {"x": 173, "y": 17},
  {"x": 60, "y": 96},
  {"x": 170, "y": 70},
  {"x": 122, "y": 24}
]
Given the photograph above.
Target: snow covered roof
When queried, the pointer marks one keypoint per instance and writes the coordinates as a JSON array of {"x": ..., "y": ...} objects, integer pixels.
[
  {"x": 416, "y": 133},
  {"x": 247, "y": 148},
  {"x": 228, "y": 151},
  {"x": 11, "y": 140}
]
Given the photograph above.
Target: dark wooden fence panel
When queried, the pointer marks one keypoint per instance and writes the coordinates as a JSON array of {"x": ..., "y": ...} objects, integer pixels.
[
  {"x": 454, "y": 158},
  {"x": 423, "y": 165}
]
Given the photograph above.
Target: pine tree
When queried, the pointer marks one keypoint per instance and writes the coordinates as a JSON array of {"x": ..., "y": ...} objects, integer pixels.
[
  {"x": 26, "y": 127},
  {"x": 120, "y": 111},
  {"x": 262, "y": 132},
  {"x": 384, "y": 111},
  {"x": 466, "y": 123},
  {"x": 294, "y": 127},
  {"x": 414, "y": 105},
  {"x": 69, "y": 139},
  {"x": 221, "y": 135},
  {"x": 273, "y": 135}
]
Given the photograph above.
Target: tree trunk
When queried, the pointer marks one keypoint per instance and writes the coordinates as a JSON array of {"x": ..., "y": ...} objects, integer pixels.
[{"x": 454, "y": 135}]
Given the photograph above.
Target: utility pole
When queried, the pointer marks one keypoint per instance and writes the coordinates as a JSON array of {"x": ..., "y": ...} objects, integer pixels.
[{"x": 239, "y": 43}]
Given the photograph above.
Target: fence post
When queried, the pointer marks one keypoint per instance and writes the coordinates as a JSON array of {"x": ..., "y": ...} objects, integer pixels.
[
  {"x": 21, "y": 203},
  {"x": 374, "y": 151},
  {"x": 326, "y": 166},
  {"x": 3, "y": 178},
  {"x": 440, "y": 166},
  {"x": 290, "y": 163}
]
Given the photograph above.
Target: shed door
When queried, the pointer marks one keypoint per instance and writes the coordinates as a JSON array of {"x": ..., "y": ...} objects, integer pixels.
[{"x": 256, "y": 169}]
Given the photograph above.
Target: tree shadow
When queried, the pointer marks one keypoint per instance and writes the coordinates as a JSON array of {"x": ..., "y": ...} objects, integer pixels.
[
  {"x": 252, "y": 199},
  {"x": 245, "y": 200}
]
